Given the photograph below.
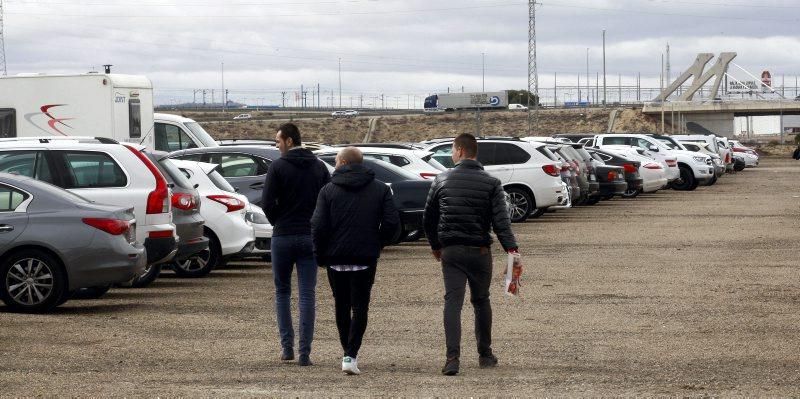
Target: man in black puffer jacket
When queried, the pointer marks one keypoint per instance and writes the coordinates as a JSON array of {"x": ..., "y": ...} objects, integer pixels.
[
  {"x": 463, "y": 204},
  {"x": 355, "y": 216}
]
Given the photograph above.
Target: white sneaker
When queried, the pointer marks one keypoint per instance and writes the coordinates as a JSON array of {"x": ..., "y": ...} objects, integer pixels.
[{"x": 350, "y": 366}]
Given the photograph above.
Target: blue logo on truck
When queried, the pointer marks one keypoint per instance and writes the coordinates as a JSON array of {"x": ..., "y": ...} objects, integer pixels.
[{"x": 494, "y": 101}]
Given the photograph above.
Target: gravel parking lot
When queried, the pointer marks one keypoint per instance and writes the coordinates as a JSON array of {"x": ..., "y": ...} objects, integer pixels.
[{"x": 675, "y": 293}]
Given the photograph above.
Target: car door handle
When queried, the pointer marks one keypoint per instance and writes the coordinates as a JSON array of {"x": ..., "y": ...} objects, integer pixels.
[
  {"x": 257, "y": 185},
  {"x": 5, "y": 228}
]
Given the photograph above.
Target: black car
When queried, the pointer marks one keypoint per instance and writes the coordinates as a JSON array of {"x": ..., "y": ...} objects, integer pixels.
[
  {"x": 632, "y": 176},
  {"x": 409, "y": 191},
  {"x": 243, "y": 166},
  {"x": 612, "y": 182}
]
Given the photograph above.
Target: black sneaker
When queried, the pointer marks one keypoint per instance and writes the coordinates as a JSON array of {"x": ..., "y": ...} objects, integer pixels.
[
  {"x": 305, "y": 360},
  {"x": 486, "y": 362},
  {"x": 451, "y": 367},
  {"x": 287, "y": 354}
]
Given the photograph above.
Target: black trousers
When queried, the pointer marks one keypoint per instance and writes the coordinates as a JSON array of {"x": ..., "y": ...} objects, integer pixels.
[
  {"x": 351, "y": 293},
  {"x": 461, "y": 266}
]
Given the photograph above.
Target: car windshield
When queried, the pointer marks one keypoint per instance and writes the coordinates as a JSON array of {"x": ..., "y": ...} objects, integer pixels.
[
  {"x": 220, "y": 181},
  {"x": 436, "y": 164},
  {"x": 669, "y": 144},
  {"x": 201, "y": 134}
]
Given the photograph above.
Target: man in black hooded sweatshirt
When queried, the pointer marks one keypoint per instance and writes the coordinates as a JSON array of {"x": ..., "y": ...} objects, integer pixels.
[
  {"x": 355, "y": 217},
  {"x": 290, "y": 195}
]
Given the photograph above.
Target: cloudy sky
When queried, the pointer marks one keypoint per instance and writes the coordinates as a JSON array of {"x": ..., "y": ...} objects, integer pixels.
[{"x": 403, "y": 49}]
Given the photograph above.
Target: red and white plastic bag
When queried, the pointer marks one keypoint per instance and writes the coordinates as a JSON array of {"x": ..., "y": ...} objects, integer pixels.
[{"x": 513, "y": 274}]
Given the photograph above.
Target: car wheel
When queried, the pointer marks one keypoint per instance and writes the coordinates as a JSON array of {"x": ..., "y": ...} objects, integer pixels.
[
  {"x": 91, "y": 292},
  {"x": 688, "y": 182},
  {"x": 593, "y": 200},
  {"x": 632, "y": 193},
  {"x": 538, "y": 212},
  {"x": 712, "y": 181},
  {"x": 521, "y": 204},
  {"x": 201, "y": 263},
  {"x": 32, "y": 281},
  {"x": 151, "y": 273},
  {"x": 739, "y": 166}
]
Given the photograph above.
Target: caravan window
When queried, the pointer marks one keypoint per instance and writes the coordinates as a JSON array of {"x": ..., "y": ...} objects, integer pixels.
[
  {"x": 8, "y": 123},
  {"x": 135, "y": 118}
]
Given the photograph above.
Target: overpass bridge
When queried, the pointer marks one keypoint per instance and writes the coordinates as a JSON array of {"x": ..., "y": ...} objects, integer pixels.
[{"x": 716, "y": 113}]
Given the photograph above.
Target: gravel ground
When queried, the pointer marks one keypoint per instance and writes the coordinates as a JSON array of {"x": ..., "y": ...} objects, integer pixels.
[{"x": 675, "y": 293}]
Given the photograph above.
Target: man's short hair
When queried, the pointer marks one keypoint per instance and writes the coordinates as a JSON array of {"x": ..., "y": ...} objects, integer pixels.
[
  {"x": 351, "y": 155},
  {"x": 290, "y": 131},
  {"x": 468, "y": 144}
]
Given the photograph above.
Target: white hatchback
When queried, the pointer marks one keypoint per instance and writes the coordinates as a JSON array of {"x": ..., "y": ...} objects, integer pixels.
[
  {"x": 416, "y": 161},
  {"x": 228, "y": 231}
]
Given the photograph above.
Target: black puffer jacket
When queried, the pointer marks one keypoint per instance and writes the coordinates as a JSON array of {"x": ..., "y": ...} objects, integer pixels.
[
  {"x": 463, "y": 204},
  {"x": 290, "y": 191},
  {"x": 354, "y": 218}
]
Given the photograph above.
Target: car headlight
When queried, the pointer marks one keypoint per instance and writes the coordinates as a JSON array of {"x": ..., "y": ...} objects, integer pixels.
[
  {"x": 701, "y": 160},
  {"x": 256, "y": 218}
]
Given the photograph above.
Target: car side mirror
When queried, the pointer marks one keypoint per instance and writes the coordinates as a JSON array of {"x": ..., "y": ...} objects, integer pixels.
[
  {"x": 653, "y": 148},
  {"x": 196, "y": 185}
]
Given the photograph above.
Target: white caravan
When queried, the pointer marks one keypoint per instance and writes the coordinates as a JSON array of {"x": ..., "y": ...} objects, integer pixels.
[{"x": 114, "y": 106}]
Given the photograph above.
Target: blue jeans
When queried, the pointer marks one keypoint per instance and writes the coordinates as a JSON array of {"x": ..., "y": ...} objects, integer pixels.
[{"x": 286, "y": 252}]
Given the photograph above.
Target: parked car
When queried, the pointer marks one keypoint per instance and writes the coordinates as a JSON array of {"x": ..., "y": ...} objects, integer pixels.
[
  {"x": 416, "y": 161},
  {"x": 227, "y": 229},
  {"x": 704, "y": 147},
  {"x": 696, "y": 169},
  {"x": 104, "y": 171},
  {"x": 409, "y": 192},
  {"x": 532, "y": 181},
  {"x": 263, "y": 232},
  {"x": 654, "y": 175},
  {"x": 631, "y": 167},
  {"x": 230, "y": 142},
  {"x": 655, "y": 149},
  {"x": 714, "y": 144},
  {"x": 582, "y": 166},
  {"x": 185, "y": 216},
  {"x": 612, "y": 182},
  {"x": 339, "y": 114},
  {"x": 242, "y": 116},
  {"x": 53, "y": 243},
  {"x": 351, "y": 113},
  {"x": 517, "y": 107},
  {"x": 175, "y": 132},
  {"x": 749, "y": 155}
]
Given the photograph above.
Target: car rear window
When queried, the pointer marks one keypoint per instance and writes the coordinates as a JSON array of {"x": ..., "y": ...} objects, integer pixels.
[
  {"x": 174, "y": 174},
  {"x": 88, "y": 169},
  {"x": 220, "y": 182}
]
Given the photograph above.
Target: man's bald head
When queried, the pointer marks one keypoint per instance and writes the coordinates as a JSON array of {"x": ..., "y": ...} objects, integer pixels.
[{"x": 349, "y": 156}]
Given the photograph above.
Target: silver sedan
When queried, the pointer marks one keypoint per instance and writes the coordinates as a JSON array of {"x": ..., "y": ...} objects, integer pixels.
[{"x": 53, "y": 243}]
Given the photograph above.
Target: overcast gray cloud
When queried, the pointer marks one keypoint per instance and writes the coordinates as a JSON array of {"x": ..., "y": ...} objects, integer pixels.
[{"x": 403, "y": 49}]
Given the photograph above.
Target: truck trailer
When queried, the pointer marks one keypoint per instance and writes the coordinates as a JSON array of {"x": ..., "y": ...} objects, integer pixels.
[{"x": 466, "y": 101}]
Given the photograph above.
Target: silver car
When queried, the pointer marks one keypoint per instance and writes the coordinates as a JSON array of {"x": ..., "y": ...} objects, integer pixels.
[{"x": 54, "y": 243}]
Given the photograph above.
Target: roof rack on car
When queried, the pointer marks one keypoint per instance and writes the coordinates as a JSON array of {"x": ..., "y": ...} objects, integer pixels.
[
  {"x": 399, "y": 146},
  {"x": 48, "y": 139}
]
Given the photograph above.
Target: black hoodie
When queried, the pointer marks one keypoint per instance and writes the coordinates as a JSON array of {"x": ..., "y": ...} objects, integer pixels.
[
  {"x": 290, "y": 191},
  {"x": 355, "y": 217}
]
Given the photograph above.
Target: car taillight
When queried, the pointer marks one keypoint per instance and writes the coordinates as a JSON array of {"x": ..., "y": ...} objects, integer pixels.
[
  {"x": 160, "y": 234},
  {"x": 183, "y": 201},
  {"x": 612, "y": 175},
  {"x": 551, "y": 170},
  {"x": 426, "y": 175},
  {"x": 737, "y": 149},
  {"x": 672, "y": 163},
  {"x": 629, "y": 168},
  {"x": 652, "y": 165},
  {"x": 114, "y": 227},
  {"x": 233, "y": 204},
  {"x": 158, "y": 199},
  {"x": 728, "y": 158}
]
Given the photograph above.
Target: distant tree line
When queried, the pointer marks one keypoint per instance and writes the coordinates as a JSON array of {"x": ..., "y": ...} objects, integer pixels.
[{"x": 521, "y": 97}]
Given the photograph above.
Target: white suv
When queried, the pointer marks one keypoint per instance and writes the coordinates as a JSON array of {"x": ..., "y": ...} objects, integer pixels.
[
  {"x": 532, "y": 181},
  {"x": 685, "y": 169},
  {"x": 107, "y": 172}
]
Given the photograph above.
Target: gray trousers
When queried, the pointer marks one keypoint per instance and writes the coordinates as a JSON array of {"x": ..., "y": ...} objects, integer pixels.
[{"x": 462, "y": 265}]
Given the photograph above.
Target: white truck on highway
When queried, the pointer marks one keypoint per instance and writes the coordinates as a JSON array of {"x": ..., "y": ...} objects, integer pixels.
[
  {"x": 114, "y": 106},
  {"x": 466, "y": 101}
]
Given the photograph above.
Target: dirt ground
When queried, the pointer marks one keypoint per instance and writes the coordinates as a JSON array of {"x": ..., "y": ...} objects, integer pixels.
[
  {"x": 407, "y": 128},
  {"x": 674, "y": 293}
]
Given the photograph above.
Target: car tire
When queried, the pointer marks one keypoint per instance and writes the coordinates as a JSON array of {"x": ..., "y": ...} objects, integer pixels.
[
  {"x": 91, "y": 292},
  {"x": 632, "y": 193},
  {"x": 739, "y": 166},
  {"x": 592, "y": 200},
  {"x": 538, "y": 212},
  {"x": 201, "y": 263},
  {"x": 521, "y": 204},
  {"x": 32, "y": 281},
  {"x": 688, "y": 182},
  {"x": 151, "y": 273},
  {"x": 712, "y": 181}
]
